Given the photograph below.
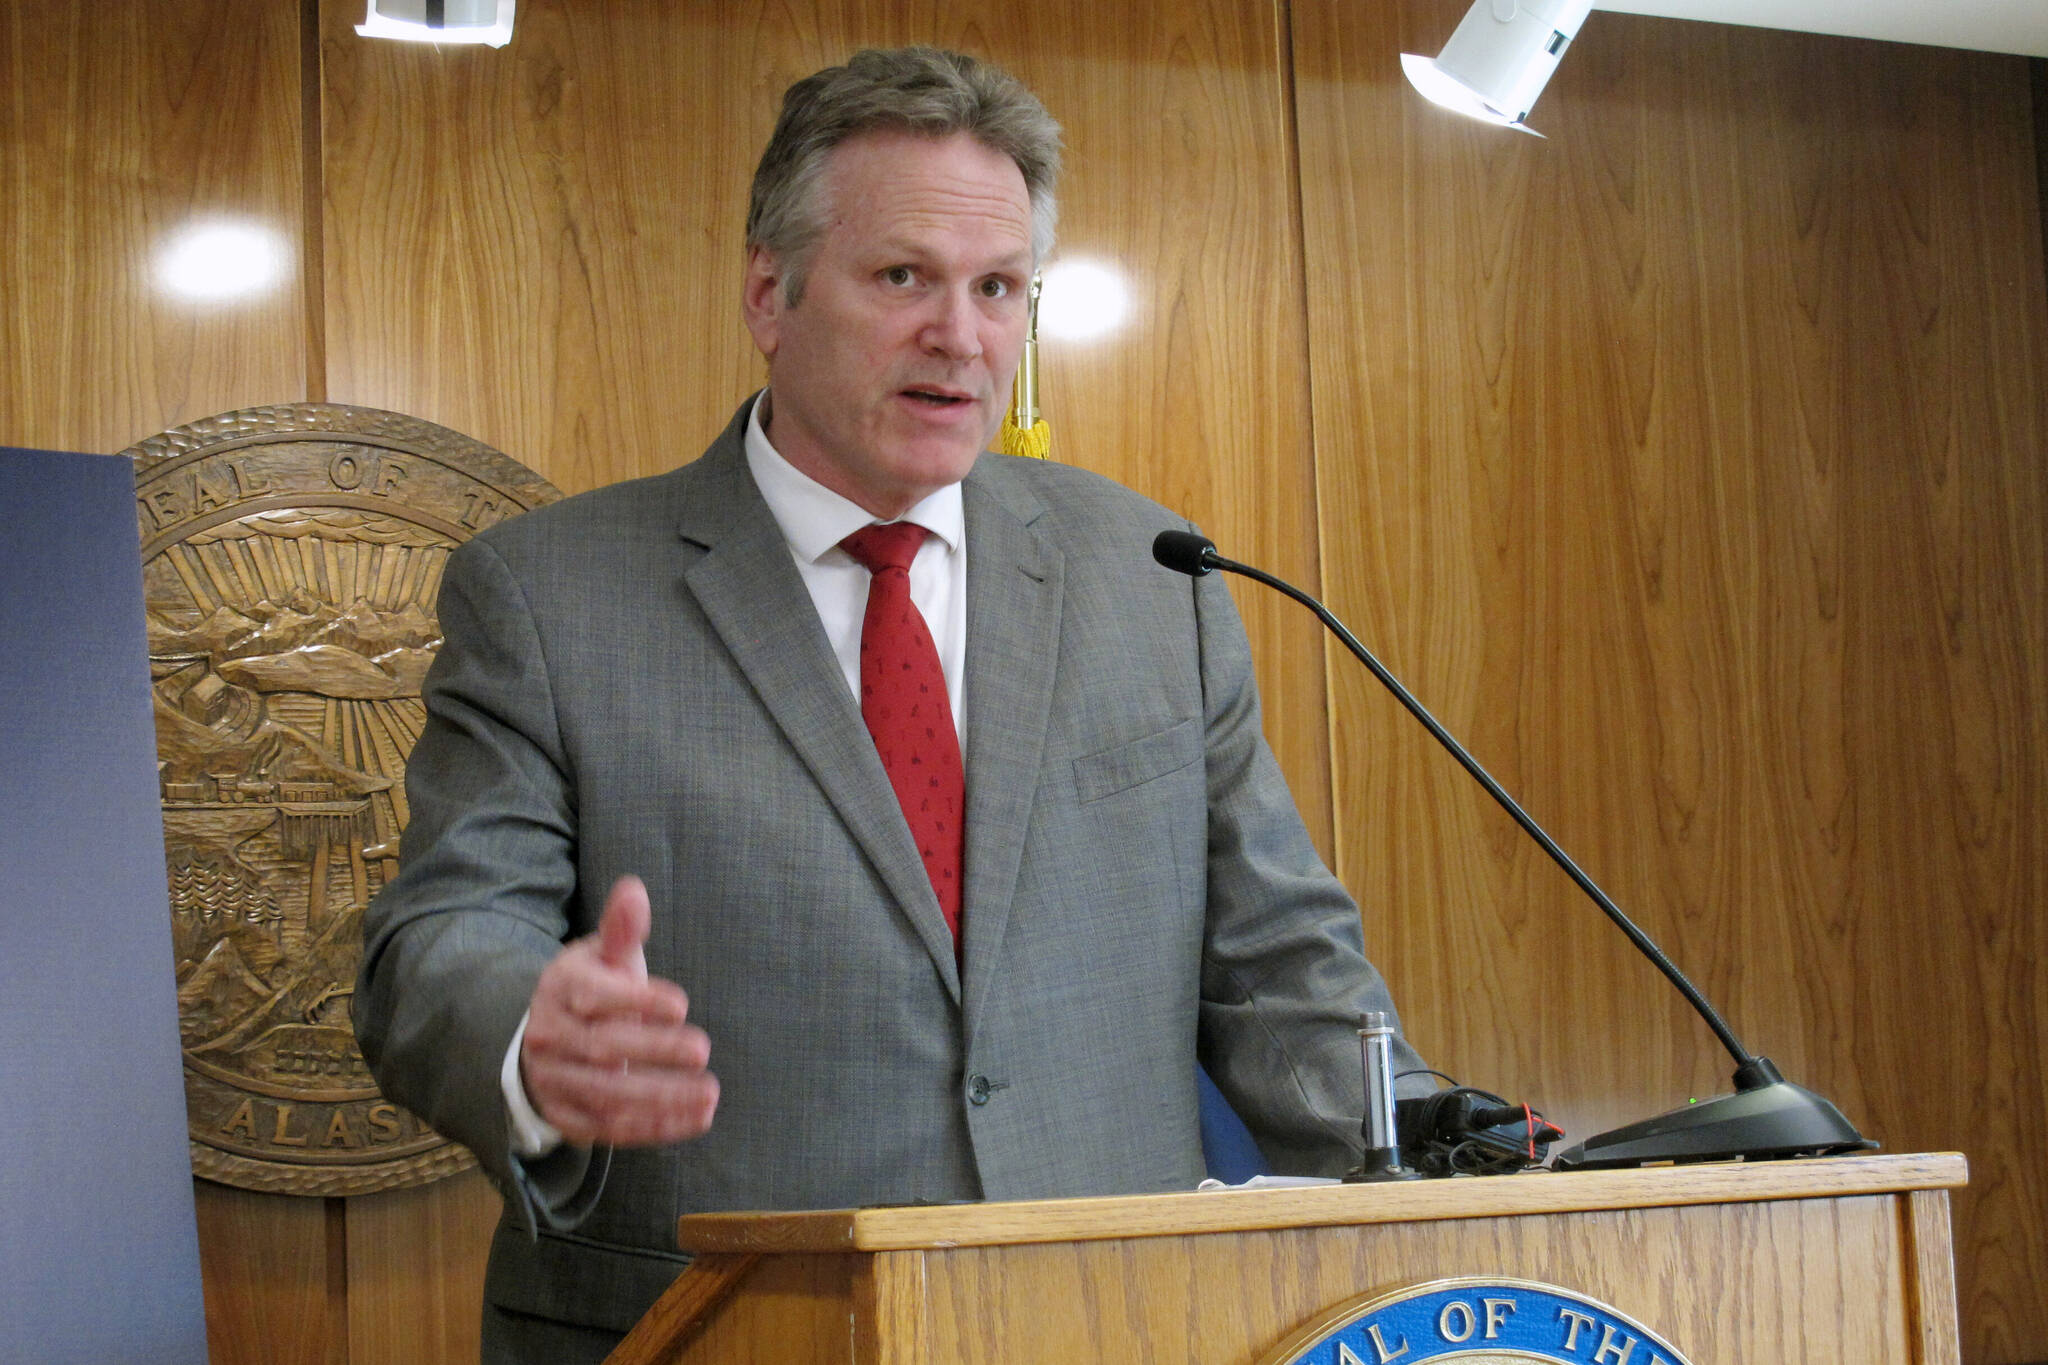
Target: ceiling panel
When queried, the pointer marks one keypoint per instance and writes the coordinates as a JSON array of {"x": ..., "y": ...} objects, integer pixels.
[{"x": 1987, "y": 25}]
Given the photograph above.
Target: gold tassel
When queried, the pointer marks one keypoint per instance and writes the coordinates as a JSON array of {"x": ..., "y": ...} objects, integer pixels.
[{"x": 1024, "y": 431}]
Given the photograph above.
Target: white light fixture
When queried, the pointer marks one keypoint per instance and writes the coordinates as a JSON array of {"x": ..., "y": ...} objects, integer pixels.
[
  {"x": 1081, "y": 300},
  {"x": 221, "y": 261},
  {"x": 1499, "y": 59},
  {"x": 440, "y": 21}
]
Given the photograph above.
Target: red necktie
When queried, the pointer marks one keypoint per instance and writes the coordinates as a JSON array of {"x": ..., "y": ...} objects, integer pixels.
[{"x": 903, "y": 701}]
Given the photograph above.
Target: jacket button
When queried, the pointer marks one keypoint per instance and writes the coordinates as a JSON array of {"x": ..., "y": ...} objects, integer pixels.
[{"x": 977, "y": 1089}]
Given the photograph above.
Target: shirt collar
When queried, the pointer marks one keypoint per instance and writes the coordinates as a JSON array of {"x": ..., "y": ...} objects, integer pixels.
[{"x": 814, "y": 519}]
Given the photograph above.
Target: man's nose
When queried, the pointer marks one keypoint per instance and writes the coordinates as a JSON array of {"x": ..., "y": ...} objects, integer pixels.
[{"x": 953, "y": 329}]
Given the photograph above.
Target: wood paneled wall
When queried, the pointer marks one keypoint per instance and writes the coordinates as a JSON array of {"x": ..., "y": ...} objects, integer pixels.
[
  {"x": 540, "y": 248},
  {"x": 1689, "y": 464},
  {"x": 124, "y": 123},
  {"x": 1693, "y": 462}
]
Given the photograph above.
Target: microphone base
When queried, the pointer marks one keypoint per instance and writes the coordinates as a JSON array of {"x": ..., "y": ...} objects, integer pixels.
[
  {"x": 1380, "y": 1164},
  {"x": 1770, "y": 1122}
]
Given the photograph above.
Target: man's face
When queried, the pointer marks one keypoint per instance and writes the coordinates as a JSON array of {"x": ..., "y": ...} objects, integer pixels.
[{"x": 893, "y": 373}]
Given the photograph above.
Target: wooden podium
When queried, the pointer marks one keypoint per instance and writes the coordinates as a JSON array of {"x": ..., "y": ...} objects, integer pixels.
[{"x": 1831, "y": 1260}]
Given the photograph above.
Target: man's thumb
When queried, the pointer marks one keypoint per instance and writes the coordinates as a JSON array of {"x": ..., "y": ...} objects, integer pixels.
[{"x": 624, "y": 928}]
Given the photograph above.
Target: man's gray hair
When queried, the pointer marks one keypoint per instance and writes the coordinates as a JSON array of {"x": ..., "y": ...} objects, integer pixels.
[{"x": 909, "y": 89}]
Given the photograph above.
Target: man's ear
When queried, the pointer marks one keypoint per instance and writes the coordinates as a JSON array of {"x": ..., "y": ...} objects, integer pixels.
[{"x": 761, "y": 300}]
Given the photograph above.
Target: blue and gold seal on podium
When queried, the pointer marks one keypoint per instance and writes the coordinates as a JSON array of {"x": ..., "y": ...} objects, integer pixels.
[{"x": 1474, "y": 1320}]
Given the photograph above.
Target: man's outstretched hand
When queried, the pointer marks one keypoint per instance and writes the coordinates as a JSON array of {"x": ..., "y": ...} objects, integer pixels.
[{"x": 608, "y": 1056}]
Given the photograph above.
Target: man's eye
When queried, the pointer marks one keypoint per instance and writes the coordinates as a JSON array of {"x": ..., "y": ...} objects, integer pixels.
[
  {"x": 897, "y": 275},
  {"x": 994, "y": 288}
]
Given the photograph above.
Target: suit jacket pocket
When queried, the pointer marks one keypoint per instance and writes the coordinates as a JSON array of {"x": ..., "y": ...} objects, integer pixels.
[{"x": 1139, "y": 761}]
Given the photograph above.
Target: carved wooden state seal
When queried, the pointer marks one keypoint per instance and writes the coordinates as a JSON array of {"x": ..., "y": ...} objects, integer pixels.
[{"x": 291, "y": 557}]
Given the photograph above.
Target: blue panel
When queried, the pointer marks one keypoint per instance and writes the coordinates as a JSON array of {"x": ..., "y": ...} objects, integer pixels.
[
  {"x": 1228, "y": 1150},
  {"x": 99, "y": 1250}
]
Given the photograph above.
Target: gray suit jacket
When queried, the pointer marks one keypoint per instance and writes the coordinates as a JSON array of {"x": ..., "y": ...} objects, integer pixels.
[{"x": 635, "y": 680}]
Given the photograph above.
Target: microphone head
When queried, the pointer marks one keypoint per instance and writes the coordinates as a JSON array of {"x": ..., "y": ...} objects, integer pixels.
[{"x": 1184, "y": 552}]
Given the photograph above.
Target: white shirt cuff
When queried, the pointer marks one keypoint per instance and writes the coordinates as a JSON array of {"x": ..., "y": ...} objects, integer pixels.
[{"x": 532, "y": 1135}]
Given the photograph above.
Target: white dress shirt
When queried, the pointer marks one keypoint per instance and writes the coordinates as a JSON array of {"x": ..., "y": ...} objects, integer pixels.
[{"x": 813, "y": 520}]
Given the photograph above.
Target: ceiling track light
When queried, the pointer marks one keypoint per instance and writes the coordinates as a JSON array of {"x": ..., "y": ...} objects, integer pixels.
[
  {"x": 440, "y": 21},
  {"x": 1499, "y": 59}
]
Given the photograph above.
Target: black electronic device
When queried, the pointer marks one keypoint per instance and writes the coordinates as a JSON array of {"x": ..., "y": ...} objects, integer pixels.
[{"x": 1462, "y": 1131}]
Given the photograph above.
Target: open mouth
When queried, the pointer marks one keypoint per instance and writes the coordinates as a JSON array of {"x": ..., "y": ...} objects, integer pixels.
[{"x": 936, "y": 398}]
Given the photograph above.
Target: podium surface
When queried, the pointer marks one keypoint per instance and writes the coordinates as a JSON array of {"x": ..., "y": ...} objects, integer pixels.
[{"x": 1846, "y": 1258}]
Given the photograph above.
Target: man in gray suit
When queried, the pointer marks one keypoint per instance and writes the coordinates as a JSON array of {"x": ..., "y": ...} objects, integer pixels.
[{"x": 656, "y": 754}]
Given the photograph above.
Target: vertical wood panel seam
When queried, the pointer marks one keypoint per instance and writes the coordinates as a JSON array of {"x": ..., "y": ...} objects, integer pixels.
[
  {"x": 312, "y": 200},
  {"x": 337, "y": 1279},
  {"x": 1290, "y": 107},
  {"x": 313, "y": 310}
]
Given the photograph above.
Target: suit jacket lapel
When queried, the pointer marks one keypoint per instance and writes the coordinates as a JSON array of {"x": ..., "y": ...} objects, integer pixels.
[
  {"x": 754, "y": 598},
  {"x": 1014, "y": 591}
]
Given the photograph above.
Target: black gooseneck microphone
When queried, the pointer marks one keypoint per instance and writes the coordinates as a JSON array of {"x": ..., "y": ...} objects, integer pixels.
[{"x": 1768, "y": 1116}]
